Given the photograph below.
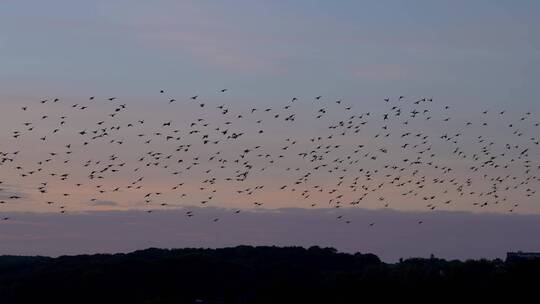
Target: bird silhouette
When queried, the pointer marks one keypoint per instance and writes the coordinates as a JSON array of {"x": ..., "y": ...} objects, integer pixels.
[{"x": 206, "y": 153}]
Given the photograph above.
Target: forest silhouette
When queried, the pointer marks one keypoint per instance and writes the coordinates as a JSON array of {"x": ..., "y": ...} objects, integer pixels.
[{"x": 246, "y": 274}]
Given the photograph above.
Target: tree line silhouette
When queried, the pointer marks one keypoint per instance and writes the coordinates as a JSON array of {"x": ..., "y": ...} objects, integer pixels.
[{"x": 246, "y": 274}]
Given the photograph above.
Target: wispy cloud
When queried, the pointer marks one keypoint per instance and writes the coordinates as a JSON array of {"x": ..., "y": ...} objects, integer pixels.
[
  {"x": 9, "y": 192},
  {"x": 104, "y": 203},
  {"x": 198, "y": 30}
]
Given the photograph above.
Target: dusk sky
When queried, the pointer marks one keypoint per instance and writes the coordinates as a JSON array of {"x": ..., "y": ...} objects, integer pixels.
[{"x": 470, "y": 68}]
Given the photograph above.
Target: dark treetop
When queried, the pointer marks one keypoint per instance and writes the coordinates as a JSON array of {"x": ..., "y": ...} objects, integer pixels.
[{"x": 257, "y": 275}]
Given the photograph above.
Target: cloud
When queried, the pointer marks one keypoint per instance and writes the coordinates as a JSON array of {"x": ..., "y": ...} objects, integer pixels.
[
  {"x": 8, "y": 191},
  {"x": 104, "y": 203},
  {"x": 451, "y": 235},
  {"x": 201, "y": 32}
]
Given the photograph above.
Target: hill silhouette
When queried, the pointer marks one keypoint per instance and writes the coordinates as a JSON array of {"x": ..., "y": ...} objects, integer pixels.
[{"x": 247, "y": 274}]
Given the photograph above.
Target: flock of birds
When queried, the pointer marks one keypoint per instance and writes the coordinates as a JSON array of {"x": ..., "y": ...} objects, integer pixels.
[{"x": 311, "y": 153}]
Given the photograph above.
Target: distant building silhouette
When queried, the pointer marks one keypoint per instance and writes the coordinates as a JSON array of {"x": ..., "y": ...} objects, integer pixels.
[{"x": 520, "y": 255}]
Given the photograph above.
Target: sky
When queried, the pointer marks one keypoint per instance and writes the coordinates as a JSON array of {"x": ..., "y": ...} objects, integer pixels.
[
  {"x": 449, "y": 235},
  {"x": 455, "y": 50},
  {"x": 471, "y": 55}
]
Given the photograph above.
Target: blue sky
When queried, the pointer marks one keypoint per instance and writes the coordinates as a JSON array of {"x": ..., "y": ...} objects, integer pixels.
[{"x": 463, "y": 51}]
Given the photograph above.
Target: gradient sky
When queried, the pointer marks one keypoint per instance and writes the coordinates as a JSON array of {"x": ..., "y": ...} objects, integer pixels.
[
  {"x": 461, "y": 51},
  {"x": 449, "y": 235},
  {"x": 471, "y": 55}
]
